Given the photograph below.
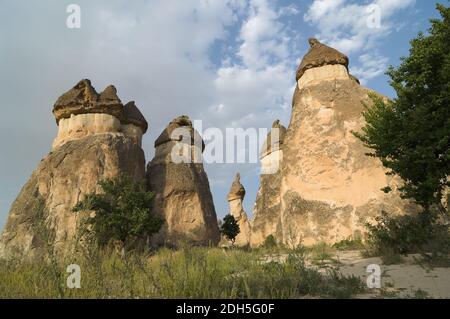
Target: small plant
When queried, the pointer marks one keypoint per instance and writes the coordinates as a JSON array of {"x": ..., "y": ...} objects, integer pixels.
[
  {"x": 344, "y": 287},
  {"x": 416, "y": 294},
  {"x": 389, "y": 256},
  {"x": 321, "y": 253},
  {"x": 122, "y": 212},
  {"x": 230, "y": 228},
  {"x": 349, "y": 244},
  {"x": 45, "y": 238},
  {"x": 270, "y": 242},
  {"x": 400, "y": 235}
]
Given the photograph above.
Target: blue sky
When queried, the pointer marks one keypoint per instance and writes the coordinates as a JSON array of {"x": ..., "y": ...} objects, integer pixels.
[{"x": 230, "y": 63}]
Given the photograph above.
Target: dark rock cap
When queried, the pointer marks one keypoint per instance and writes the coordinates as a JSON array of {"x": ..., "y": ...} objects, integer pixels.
[
  {"x": 237, "y": 191},
  {"x": 319, "y": 55},
  {"x": 276, "y": 144},
  {"x": 132, "y": 115},
  {"x": 180, "y": 121},
  {"x": 83, "y": 99}
]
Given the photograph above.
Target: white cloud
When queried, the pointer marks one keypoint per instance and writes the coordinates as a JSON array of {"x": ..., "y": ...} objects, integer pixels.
[
  {"x": 344, "y": 25},
  {"x": 254, "y": 85},
  {"x": 157, "y": 53},
  {"x": 260, "y": 36},
  {"x": 320, "y": 8},
  {"x": 372, "y": 65},
  {"x": 261, "y": 81},
  {"x": 288, "y": 10}
]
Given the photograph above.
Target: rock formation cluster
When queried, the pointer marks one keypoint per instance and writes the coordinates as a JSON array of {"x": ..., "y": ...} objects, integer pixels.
[
  {"x": 317, "y": 184},
  {"x": 326, "y": 188},
  {"x": 98, "y": 137}
]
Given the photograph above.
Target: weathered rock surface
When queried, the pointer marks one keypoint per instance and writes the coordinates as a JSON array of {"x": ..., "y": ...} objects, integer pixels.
[
  {"x": 327, "y": 188},
  {"x": 82, "y": 112},
  {"x": 132, "y": 115},
  {"x": 61, "y": 180},
  {"x": 182, "y": 194},
  {"x": 72, "y": 169},
  {"x": 319, "y": 55},
  {"x": 235, "y": 198},
  {"x": 266, "y": 212},
  {"x": 83, "y": 99},
  {"x": 274, "y": 139}
]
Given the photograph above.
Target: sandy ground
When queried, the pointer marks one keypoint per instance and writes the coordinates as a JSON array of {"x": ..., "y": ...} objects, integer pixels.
[
  {"x": 410, "y": 278},
  {"x": 398, "y": 280}
]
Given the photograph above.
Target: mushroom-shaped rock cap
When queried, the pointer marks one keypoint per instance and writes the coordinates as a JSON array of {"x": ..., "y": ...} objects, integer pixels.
[
  {"x": 83, "y": 98},
  {"x": 273, "y": 141},
  {"x": 237, "y": 191},
  {"x": 182, "y": 121},
  {"x": 132, "y": 115},
  {"x": 319, "y": 55}
]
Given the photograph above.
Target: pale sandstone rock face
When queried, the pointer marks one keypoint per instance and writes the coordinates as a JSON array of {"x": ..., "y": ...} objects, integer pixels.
[
  {"x": 235, "y": 198},
  {"x": 82, "y": 112},
  {"x": 327, "y": 187},
  {"x": 182, "y": 194},
  {"x": 323, "y": 73},
  {"x": 89, "y": 147},
  {"x": 82, "y": 125},
  {"x": 445, "y": 201},
  {"x": 61, "y": 180},
  {"x": 266, "y": 212}
]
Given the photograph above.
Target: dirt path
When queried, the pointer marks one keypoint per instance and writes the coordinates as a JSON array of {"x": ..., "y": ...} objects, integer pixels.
[{"x": 406, "y": 279}]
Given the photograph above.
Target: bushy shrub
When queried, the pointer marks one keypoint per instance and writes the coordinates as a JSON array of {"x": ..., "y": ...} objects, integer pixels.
[
  {"x": 410, "y": 134},
  {"x": 270, "y": 242},
  {"x": 424, "y": 232},
  {"x": 122, "y": 212},
  {"x": 230, "y": 228},
  {"x": 349, "y": 244}
]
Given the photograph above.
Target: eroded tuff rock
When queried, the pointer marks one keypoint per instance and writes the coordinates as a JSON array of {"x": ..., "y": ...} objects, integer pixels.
[
  {"x": 235, "y": 197},
  {"x": 90, "y": 147},
  {"x": 319, "y": 55},
  {"x": 266, "y": 212},
  {"x": 182, "y": 194},
  {"x": 83, "y": 99},
  {"x": 274, "y": 139},
  {"x": 327, "y": 188},
  {"x": 132, "y": 115},
  {"x": 82, "y": 112}
]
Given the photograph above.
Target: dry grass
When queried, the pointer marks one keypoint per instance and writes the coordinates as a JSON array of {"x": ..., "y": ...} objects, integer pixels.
[{"x": 186, "y": 273}]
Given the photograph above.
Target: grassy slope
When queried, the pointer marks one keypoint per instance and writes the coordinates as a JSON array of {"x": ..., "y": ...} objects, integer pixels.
[{"x": 186, "y": 273}]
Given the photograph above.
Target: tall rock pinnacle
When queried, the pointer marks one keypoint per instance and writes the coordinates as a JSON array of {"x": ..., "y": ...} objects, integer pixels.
[
  {"x": 182, "y": 194},
  {"x": 235, "y": 197},
  {"x": 266, "y": 212},
  {"x": 326, "y": 188},
  {"x": 97, "y": 139}
]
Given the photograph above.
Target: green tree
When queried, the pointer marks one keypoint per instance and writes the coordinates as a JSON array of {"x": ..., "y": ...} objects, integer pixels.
[
  {"x": 230, "y": 228},
  {"x": 122, "y": 211},
  {"x": 411, "y": 133}
]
